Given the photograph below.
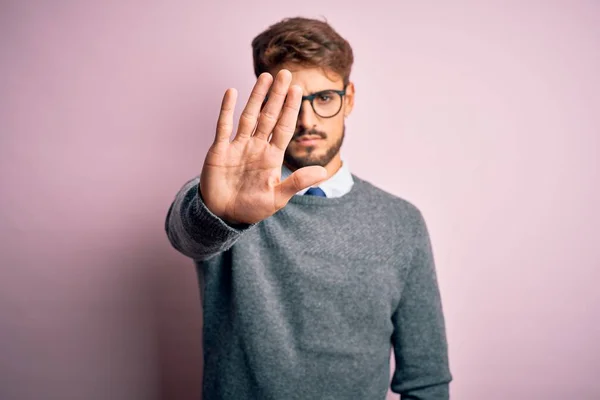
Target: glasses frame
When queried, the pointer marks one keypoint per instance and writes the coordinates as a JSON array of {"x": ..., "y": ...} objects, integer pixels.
[{"x": 311, "y": 98}]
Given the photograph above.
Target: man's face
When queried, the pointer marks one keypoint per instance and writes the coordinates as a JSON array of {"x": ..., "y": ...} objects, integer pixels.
[{"x": 318, "y": 139}]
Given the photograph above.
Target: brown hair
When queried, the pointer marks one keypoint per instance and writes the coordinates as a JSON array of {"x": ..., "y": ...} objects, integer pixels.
[{"x": 309, "y": 42}]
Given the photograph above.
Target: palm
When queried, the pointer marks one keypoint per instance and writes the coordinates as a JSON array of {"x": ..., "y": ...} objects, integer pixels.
[{"x": 241, "y": 179}]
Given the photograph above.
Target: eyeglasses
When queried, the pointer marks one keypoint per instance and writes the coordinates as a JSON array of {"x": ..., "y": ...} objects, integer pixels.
[{"x": 325, "y": 103}]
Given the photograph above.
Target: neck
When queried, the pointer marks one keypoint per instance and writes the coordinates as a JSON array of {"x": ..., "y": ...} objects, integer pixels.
[{"x": 334, "y": 165}]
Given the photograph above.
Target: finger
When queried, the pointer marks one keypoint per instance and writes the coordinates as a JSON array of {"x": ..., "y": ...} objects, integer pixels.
[
  {"x": 225, "y": 121},
  {"x": 300, "y": 179},
  {"x": 271, "y": 111},
  {"x": 286, "y": 125},
  {"x": 252, "y": 109}
]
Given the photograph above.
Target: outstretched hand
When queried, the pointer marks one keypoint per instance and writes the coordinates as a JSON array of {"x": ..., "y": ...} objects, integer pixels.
[{"x": 241, "y": 179}]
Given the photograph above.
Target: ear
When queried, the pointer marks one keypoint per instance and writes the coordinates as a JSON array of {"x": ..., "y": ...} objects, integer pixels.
[{"x": 349, "y": 99}]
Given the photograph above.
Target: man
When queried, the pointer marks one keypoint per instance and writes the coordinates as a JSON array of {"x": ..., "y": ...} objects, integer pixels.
[{"x": 309, "y": 275}]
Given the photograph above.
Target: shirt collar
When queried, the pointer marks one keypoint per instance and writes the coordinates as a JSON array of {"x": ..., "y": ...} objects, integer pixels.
[{"x": 338, "y": 185}]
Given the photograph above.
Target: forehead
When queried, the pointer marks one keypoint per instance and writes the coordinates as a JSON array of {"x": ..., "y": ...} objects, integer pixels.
[{"x": 313, "y": 79}]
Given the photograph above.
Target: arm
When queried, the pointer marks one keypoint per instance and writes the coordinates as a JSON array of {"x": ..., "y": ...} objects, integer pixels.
[
  {"x": 419, "y": 339},
  {"x": 194, "y": 230},
  {"x": 241, "y": 178}
]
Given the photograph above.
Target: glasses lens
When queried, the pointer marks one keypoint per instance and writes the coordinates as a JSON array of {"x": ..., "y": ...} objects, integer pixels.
[{"x": 327, "y": 104}]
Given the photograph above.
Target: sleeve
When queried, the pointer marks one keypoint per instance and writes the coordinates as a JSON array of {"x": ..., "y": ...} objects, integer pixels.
[
  {"x": 193, "y": 230},
  {"x": 419, "y": 339}
]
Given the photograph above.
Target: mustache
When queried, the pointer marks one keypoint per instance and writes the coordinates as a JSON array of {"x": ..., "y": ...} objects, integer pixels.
[{"x": 311, "y": 132}]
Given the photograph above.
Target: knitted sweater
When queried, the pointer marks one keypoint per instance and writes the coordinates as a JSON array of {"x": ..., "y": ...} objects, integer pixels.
[{"x": 308, "y": 303}]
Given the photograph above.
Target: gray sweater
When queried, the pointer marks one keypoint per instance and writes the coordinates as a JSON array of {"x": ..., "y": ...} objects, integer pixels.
[{"x": 309, "y": 303}]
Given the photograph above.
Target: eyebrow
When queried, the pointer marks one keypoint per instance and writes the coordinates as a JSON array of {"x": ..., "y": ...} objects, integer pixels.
[
  {"x": 305, "y": 95},
  {"x": 324, "y": 90}
]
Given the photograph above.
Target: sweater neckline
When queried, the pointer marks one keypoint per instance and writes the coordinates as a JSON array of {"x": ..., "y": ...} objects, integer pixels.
[{"x": 330, "y": 201}]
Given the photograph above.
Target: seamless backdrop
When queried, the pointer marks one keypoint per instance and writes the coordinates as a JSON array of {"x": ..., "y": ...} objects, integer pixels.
[{"x": 484, "y": 114}]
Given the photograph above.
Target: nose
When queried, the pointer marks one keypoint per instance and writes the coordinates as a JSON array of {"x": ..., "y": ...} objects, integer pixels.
[{"x": 307, "y": 117}]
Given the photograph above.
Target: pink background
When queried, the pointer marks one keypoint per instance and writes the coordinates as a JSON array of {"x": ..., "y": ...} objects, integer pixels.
[{"x": 485, "y": 116}]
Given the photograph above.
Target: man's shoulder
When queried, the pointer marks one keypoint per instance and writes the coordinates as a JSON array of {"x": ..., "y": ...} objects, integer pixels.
[{"x": 385, "y": 200}]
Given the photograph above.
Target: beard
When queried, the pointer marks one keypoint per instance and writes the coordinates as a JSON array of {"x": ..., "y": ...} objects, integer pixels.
[{"x": 296, "y": 162}]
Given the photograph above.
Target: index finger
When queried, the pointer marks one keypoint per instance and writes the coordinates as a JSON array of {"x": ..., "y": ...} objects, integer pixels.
[{"x": 286, "y": 125}]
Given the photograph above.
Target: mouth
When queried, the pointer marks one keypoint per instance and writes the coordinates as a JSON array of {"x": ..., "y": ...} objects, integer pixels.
[{"x": 306, "y": 140}]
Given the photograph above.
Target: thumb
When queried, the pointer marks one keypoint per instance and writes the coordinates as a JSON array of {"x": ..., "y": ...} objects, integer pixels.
[{"x": 300, "y": 179}]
